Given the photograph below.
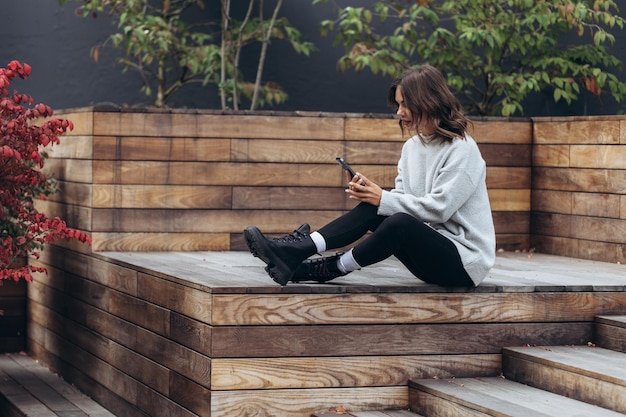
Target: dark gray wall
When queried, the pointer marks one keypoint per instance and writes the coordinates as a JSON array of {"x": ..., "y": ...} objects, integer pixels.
[{"x": 56, "y": 43}]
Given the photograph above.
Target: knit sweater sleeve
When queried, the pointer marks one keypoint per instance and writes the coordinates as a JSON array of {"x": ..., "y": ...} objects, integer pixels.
[{"x": 432, "y": 184}]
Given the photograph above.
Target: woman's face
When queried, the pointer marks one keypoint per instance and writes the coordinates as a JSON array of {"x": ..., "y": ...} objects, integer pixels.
[{"x": 406, "y": 117}]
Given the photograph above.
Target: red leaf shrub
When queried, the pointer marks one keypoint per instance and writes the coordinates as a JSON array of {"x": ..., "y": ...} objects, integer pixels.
[{"x": 24, "y": 230}]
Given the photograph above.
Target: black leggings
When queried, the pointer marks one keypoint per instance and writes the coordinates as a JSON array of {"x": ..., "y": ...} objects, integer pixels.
[{"x": 429, "y": 255}]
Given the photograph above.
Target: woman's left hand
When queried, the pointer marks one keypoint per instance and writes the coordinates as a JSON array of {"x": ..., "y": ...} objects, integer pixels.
[{"x": 363, "y": 190}]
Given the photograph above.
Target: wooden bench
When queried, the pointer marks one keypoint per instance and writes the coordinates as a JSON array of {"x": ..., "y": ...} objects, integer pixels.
[{"x": 27, "y": 389}]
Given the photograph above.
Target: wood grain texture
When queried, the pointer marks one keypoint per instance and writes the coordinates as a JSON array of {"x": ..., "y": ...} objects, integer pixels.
[
  {"x": 551, "y": 156},
  {"x": 165, "y": 124},
  {"x": 161, "y": 196},
  {"x": 501, "y": 131},
  {"x": 131, "y": 148},
  {"x": 509, "y": 200},
  {"x": 594, "y": 375},
  {"x": 594, "y": 156},
  {"x": 577, "y": 132},
  {"x": 577, "y": 179},
  {"x": 305, "y": 309},
  {"x": 74, "y": 170},
  {"x": 355, "y": 371},
  {"x": 373, "y": 129},
  {"x": 298, "y": 403},
  {"x": 160, "y": 242},
  {"x": 365, "y": 340},
  {"x": 496, "y": 396},
  {"x": 82, "y": 120}
]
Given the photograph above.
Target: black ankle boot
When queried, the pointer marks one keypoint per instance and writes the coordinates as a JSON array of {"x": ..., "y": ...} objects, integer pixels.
[
  {"x": 321, "y": 269},
  {"x": 282, "y": 255}
]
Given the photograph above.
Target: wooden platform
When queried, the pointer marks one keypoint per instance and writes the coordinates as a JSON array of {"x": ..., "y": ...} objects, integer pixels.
[{"x": 210, "y": 334}]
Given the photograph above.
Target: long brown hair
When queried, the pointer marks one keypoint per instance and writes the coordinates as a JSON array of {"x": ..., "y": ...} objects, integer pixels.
[{"x": 428, "y": 97}]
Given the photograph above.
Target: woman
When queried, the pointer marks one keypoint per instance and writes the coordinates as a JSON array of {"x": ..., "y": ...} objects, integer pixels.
[{"x": 436, "y": 220}]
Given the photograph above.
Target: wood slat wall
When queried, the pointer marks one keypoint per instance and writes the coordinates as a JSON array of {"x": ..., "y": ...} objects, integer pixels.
[
  {"x": 579, "y": 187},
  {"x": 175, "y": 180}
]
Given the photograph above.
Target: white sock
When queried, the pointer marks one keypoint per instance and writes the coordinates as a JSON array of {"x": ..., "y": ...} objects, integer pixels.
[
  {"x": 347, "y": 263},
  {"x": 320, "y": 242}
]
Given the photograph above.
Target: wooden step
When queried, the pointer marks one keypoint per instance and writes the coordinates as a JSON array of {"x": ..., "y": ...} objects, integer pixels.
[
  {"x": 610, "y": 332},
  {"x": 586, "y": 373},
  {"x": 481, "y": 397}
]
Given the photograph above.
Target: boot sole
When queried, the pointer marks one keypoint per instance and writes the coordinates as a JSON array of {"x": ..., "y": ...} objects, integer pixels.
[{"x": 277, "y": 269}]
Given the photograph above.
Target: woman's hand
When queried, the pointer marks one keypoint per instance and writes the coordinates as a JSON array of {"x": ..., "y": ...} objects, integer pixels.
[{"x": 361, "y": 189}]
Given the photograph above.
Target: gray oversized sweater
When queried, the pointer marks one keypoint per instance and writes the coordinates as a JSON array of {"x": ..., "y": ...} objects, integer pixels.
[{"x": 443, "y": 184}]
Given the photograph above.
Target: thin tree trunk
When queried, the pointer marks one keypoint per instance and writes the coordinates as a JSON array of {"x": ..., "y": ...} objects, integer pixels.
[
  {"x": 238, "y": 55},
  {"x": 223, "y": 49},
  {"x": 266, "y": 39}
]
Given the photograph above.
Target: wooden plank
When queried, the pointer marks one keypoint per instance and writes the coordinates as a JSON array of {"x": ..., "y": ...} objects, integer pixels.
[
  {"x": 82, "y": 120},
  {"x": 594, "y": 156},
  {"x": 160, "y": 242},
  {"x": 139, "y": 312},
  {"x": 162, "y": 148},
  {"x": 267, "y": 127},
  {"x": 551, "y": 156},
  {"x": 512, "y": 242},
  {"x": 166, "y": 124},
  {"x": 193, "y": 333},
  {"x": 414, "y": 339},
  {"x": 206, "y": 221},
  {"x": 73, "y": 193},
  {"x": 371, "y": 152},
  {"x": 222, "y": 173},
  {"x": 304, "y": 309},
  {"x": 607, "y": 252},
  {"x": 72, "y": 147},
  {"x": 598, "y": 229},
  {"x": 552, "y": 201},
  {"x": 286, "y": 151},
  {"x": 500, "y": 131},
  {"x": 194, "y": 303},
  {"x": 576, "y": 179},
  {"x": 156, "y": 124},
  {"x": 376, "y": 129},
  {"x": 352, "y": 371},
  {"x": 511, "y": 222},
  {"x": 298, "y": 403},
  {"x": 610, "y": 334},
  {"x": 76, "y": 217},
  {"x": 596, "y": 205},
  {"x": 498, "y": 396},
  {"x": 577, "y": 132},
  {"x": 161, "y": 196},
  {"x": 508, "y": 177},
  {"x": 190, "y": 395},
  {"x": 505, "y": 154},
  {"x": 509, "y": 200},
  {"x": 74, "y": 170},
  {"x": 290, "y": 198}
]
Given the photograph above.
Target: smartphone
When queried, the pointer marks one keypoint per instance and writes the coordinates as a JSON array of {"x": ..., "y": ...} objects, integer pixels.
[{"x": 345, "y": 166}]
